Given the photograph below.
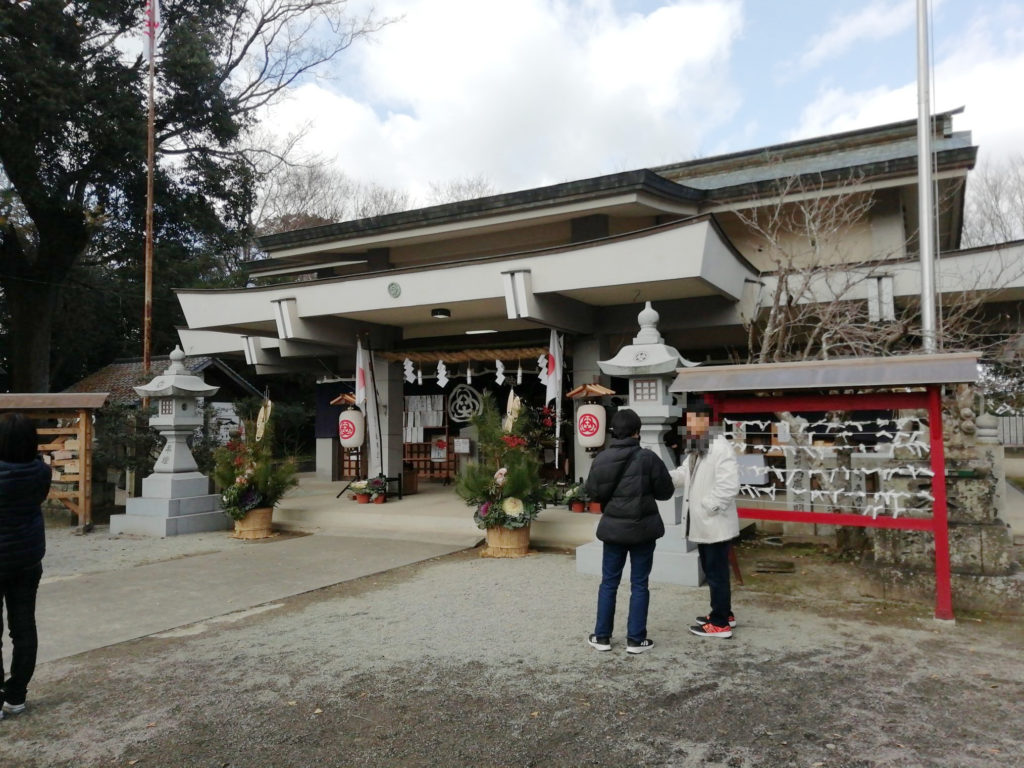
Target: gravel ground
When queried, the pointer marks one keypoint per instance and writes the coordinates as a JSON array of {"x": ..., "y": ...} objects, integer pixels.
[{"x": 465, "y": 661}]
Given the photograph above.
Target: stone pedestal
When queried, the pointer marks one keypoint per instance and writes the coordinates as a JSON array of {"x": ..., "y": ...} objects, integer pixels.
[
  {"x": 675, "y": 561},
  {"x": 148, "y": 516}
]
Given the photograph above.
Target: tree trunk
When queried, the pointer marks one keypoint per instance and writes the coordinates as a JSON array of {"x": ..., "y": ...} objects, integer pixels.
[{"x": 31, "y": 306}]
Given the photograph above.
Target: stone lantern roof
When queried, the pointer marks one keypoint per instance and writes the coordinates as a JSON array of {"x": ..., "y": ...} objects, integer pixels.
[
  {"x": 176, "y": 381},
  {"x": 648, "y": 354}
]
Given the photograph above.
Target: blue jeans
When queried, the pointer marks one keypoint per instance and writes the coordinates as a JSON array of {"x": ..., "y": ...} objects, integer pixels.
[
  {"x": 641, "y": 560},
  {"x": 18, "y": 593}
]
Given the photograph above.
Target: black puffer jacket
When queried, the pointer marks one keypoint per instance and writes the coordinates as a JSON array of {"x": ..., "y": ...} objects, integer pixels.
[
  {"x": 23, "y": 487},
  {"x": 630, "y": 510}
]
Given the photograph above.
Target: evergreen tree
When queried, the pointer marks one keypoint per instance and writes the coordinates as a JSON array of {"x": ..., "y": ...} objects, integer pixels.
[{"x": 73, "y": 142}]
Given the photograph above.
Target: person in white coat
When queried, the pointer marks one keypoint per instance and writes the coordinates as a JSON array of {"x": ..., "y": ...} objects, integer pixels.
[{"x": 709, "y": 477}]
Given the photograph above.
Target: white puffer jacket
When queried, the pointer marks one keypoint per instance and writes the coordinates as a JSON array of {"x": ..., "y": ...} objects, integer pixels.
[{"x": 710, "y": 500}]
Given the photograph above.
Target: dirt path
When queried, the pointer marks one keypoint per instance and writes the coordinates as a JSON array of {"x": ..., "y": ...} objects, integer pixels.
[{"x": 463, "y": 661}]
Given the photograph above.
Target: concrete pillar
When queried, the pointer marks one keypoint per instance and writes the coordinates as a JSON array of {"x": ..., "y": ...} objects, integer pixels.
[
  {"x": 391, "y": 404},
  {"x": 327, "y": 458}
]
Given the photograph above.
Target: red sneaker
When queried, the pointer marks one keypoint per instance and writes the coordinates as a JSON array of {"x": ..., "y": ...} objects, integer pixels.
[
  {"x": 710, "y": 630},
  {"x": 707, "y": 620}
]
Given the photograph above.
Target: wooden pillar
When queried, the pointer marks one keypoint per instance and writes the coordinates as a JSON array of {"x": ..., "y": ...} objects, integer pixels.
[{"x": 84, "y": 468}]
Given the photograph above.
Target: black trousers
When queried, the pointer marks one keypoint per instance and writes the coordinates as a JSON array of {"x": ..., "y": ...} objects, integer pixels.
[
  {"x": 18, "y": 592},
  {"x": 714, "y": 560}
]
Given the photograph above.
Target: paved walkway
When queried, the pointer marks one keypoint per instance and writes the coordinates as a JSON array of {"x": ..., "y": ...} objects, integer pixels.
[
  {"x": 100, "y": 609},
  {"x": 348, "y": 541}
]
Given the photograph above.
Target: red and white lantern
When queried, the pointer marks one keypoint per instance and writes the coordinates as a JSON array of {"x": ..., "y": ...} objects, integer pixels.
[
  {"x": 351, "y": 428},
  {"x": 590, "y": 425}
]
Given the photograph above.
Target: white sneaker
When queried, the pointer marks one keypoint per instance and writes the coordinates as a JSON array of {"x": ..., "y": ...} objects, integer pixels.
[{"x": 13, "y": 709}]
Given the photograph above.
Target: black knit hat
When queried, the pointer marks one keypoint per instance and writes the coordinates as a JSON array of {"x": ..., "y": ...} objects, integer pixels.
[{"x": 625, "y": 423}]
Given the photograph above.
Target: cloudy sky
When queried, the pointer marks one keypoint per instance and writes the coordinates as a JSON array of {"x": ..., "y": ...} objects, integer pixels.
[{"x": 532, "y": 92}]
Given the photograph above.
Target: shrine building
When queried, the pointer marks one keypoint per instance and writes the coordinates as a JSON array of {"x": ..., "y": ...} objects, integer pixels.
[{"x": 478, "y": 285}]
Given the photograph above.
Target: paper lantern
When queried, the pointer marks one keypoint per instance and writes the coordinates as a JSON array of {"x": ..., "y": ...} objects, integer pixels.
[
  {"x": 351, "y": 428},
  {"x": 590, "y": 425}
]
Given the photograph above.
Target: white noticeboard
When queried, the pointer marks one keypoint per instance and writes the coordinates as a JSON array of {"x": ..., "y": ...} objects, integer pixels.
[{"x": 461, "y": 445}]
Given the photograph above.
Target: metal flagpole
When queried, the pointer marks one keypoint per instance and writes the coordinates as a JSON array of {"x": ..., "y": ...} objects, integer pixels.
[
  {"x": 925, "y": 204},
  {"x": 558, "y": 425}
]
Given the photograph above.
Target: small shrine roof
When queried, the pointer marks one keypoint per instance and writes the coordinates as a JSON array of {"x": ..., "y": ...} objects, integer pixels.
[
  {"x": 589, "y": 390},
  {"x": 846, "y": 373},
  {"x": 53, "y": 401}
]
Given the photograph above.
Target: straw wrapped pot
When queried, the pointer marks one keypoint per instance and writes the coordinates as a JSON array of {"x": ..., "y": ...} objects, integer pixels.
[
  {"x": 507, "y": 542},
  {"x": 255, "y": 525}
]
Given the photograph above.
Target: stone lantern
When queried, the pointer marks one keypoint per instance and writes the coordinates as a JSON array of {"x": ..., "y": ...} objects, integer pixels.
[
  {"x": 649, "y": 365},
  {"x": 175, "y": 498}
]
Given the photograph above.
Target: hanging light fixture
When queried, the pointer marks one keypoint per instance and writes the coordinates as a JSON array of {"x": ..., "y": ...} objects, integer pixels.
[
  {"x": 440, "y": 313},
  {"x": 351, "y": 428}
]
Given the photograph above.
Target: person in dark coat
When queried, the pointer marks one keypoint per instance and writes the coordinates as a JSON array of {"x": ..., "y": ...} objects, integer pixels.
[
  {"x": 24, "y": 484},
  {"x": 627, "y": 480}
]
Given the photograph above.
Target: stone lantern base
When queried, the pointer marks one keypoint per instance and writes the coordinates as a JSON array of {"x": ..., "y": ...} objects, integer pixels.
[
  {"x": 171, "y": 505},
  {"x": 675, "y": 560}
]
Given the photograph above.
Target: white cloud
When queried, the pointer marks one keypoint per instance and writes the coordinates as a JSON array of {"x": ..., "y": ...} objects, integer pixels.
[
  {"x": 524, "y": 93},
  {"x": 880, "y": 19},
  {"x": 982, "y": 71}
]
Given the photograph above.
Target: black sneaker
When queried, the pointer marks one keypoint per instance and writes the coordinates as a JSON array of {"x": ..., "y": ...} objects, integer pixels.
[
  {"x": 600, "y": 643},
  {"x": 642, "y": 647},
  {"x": 707, "y": 620}
]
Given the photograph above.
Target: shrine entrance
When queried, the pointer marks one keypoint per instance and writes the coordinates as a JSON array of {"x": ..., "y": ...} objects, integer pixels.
[{"x": 440, "y": 393}]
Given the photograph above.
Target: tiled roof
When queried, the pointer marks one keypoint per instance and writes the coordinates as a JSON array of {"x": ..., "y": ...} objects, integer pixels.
[{"x": 119, "y": 377}]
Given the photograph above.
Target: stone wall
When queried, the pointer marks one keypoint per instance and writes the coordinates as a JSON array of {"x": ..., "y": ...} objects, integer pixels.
[{"x": 983, "y": 560}]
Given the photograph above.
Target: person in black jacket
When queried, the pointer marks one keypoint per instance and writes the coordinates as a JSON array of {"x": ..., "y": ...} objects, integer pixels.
[
  {"x": 627, "y": 479},
  {"x": 24, "y": 484}
]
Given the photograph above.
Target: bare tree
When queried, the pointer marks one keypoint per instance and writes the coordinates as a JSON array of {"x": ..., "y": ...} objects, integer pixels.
[
  {"x": 994, "y": 211},
  {"x": 372, "y": 199},
  {"x": 818, "y": 288},
  {"x": 310, "y": 192},
  {"x": 456, "y": 190}
]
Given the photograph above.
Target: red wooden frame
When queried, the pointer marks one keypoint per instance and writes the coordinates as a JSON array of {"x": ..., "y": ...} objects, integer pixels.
[{"x": 938, "y": 524}]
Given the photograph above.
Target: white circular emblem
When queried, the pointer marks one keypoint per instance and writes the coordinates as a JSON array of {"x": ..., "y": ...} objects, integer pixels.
[
  {"x": 395, "y": 290},
  {"x": 464, "y": 403},
  {"x": 640, "y": 356}
]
